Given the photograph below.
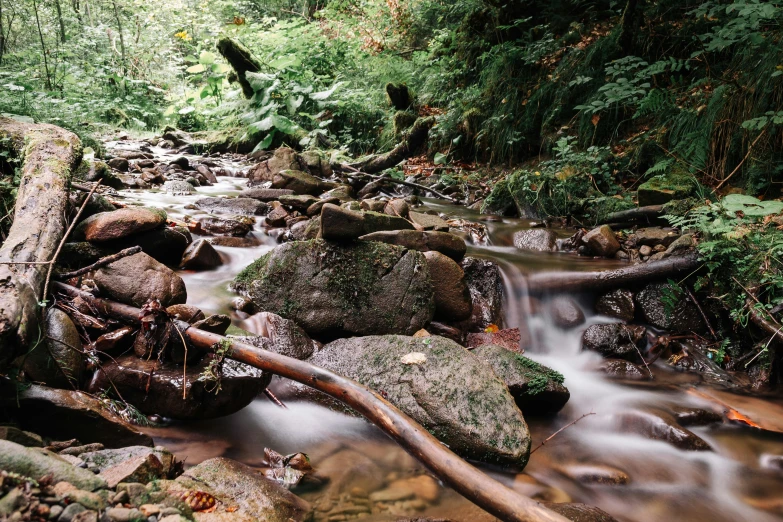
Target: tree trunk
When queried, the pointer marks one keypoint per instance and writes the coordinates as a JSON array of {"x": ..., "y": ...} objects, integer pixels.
[
  {"x": 119, "y": 29},
  {"x": 43, "y": 46},
  {"x": 2, "y": 34},
  {"x": 474, "y": 485},
  {"x": 628, "y": 23},
  {"x": 544, "y": 282},
  {"x": 59, "y": 9},
  {"x": 50, "y": 155},
  {"x": 242, "y": 61}
]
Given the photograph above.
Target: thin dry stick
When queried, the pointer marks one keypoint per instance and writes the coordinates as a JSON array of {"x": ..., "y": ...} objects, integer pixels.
[
  {"x": 701, "y": 311},
  {"x": 558, "y": 431},
  {"x": 271, "y": 396},
  {"x": 184, "y": 363},
  {"x": 100, "y": 263},
  {"x": 638, "y": 351},
  {"x": 399, "y": 182},
  {"x": 65, "y": 238},
  {"x": 750, "y": 149}
]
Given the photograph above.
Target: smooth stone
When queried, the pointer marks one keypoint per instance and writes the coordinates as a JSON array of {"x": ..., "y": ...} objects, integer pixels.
[
  {"x": 283, "y": 336},
  {"x": 485, "y": 284},
  {"x": 201, "y": 255},
  {"x": 59, "y": 360},
  {"x": 447, "y": 244},
  {"x": 298, "y": 202},
  {"x": 164, "y": 244},
  {"x": 264, "y": 194},
  {"x": 298, "y": 181},
  {"x": 106, "y": 226},
  {"x": 618, "y": 304},
  {"x": 452, "y": 298},
  {"x": 566, "y": 312},
  {"x": 423, "y": 221},
  {"x": 178, "y": 188},
  {"x": 341, "y": 224},
  {"x": 625, "y": 370},
  {"x": 616, "y": 341},
  {"x": 537, "y": 239},
  {"x": 25, "y": 438},
  {"x": 283, "y": 158},
  {"x": 137, "y": 279},
  {"x": 660, "y": 425},
  {"x": 601, "y": 241},
  {"x": 234, "y": 206},
  {"x": 37, "y": 462},
  {"x": 215, "y": 226}
]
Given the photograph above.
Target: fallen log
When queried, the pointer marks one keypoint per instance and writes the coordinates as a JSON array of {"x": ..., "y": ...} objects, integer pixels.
[
  {"x": 49, "y": 155},
  {"x": 464, "y": 478},
  {"x": 360, "y": 174},
  {"x": 415, "y": 140},
  {"x": 544, "y": 282},
  {"x": 647, "y": 215}
]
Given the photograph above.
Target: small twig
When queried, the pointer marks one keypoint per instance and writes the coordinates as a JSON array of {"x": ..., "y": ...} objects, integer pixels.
[
  {"x": 399, "y": 182},
  {"x": 750, "y": 149},
  {"x": 100, "y": 263},
  {"x": 184, "y": 363},
  {"x": 558, "y": 431},
  {"x": 25, "y": 262},
  {"x": 701, "y": 311},
  {"x": 65, "y": 238},
  {"x": 271, "y": 396},
  {"x": 630, "y": 339}
]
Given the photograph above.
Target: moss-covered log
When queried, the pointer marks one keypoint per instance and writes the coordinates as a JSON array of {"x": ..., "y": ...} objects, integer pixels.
[
  {"x": 49, "y": 155},
  {"x": 241, "y": 59},
  {"x": 415, "y": 141}
]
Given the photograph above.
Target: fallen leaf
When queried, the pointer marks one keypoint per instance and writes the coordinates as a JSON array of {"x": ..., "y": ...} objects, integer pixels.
[
  {"x": 414, "y": 358},
  {"x": 422, "y": 333}
]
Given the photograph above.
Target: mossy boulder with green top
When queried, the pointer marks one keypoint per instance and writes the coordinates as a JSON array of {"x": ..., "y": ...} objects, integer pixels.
[{"x": 327, "y": 288}]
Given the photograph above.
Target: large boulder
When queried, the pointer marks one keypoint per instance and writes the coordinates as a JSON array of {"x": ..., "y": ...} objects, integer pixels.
[
  {"x": 243, "y": 493},
  {"x": 423, "y": 241},
  {"x": 283, "y": 158},
  {"x": 157, "y": 388},
  {"x": 452, "y": 298},
  {"x": 106, "y": 226},
  {"x": 69, "y": 415},
  {"x": 341, "y": 224},
  {"x": 682, "y": 317},
  {"x": 139, "y": 278},
  {"x": 536, "y": 388},
  {"x": 232, "y": 227},
  {"x": 58, "y": 360},
  {"x": 451, "y": 392},
  {"x": 329, "y": 288}
]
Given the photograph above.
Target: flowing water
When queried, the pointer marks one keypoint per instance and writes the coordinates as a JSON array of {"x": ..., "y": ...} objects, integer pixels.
[{"x": 629, "y": 475}]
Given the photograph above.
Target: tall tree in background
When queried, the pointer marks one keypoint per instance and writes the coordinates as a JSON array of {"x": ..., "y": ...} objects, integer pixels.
[
  {"x": 119, "y": 29},
  {"x": 60, "y": 20},
  {"x": 48, "y": 81}
]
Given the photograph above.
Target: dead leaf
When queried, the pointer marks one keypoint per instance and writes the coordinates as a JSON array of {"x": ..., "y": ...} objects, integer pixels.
[{"x": 414, "y": 358}]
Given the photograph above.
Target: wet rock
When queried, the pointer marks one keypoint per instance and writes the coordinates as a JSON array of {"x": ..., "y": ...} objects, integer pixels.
[
  {"x": 316, "y": 162},
  {"x": 132, "y": 182},
  {"x": 625, "y": 370},
  {"x": 655, "y": 236},
  {"x": 239, "y": 384},
  {"x": 539, "y": 239},
  {"x": 81, "y": 253},
  {"x": 265, "y": 194},
  {"x": 249, "y": 495},
  {"x": 591, "y": 474},
  {"x": 182, "y": 162},
  {"x": 59, "y": 360},
  {"x": 37, "y": 463},
  {"x": 485, "y": 284},
  {"x": 298, "y": 181},
  {"x": 397, "y": 207},
  {"x": 285, "y": 336},
  {"x": 184, "y": 312},
  {"x": 233, "y": 206},
  {"x": 282, "y": 159},
  {"x": 618, "y": 304},
  {"x": 690, "y": 416},
  {"x": 237, "y": 227},
  {"x": 140, "y": 468},
  {"x": 106, "y": 226},
  {"x": 443, "y": 242},
  {"x": 342, "y": 224},
  {"x": 315, "y": 208},
  {"x": 444, "y": 330},
  {"x": 25, "y": 438},
  {"x": 535, "y": 388},
  {"x": 235, "y": 242},
  {"x": 478, "y": 420},
  {"x": 178, "y": 188},
  {"x": 366, "y": 288},
  {"x": 138, "y": 278},
  {"x": 683, "y": 318},
  {"x": 565, "y": 312},
  {"x": 452, "y": 298},
  {"x": 201, "y": 255},
  {"x": 164, "y": 244},
  {"x": 298, "y": 202},
  {"x": 342, "y": 192},
  {"x": 278, "y": 216},
  {"x": 659, "y": 425},
  {"x": 215, "y": 323},
  {"x": 508, "y": 338},
  {"x": 601, "y": 241},
  {"x": 616, "y": 341},
  {"x": 207, "y": 173},
  {"x": 70, "y": 414},
  {"x": 96, "y": 205},
  {"x": 373, "y": 205},
  {"x": 423, "y": 221},
  {"x": 120, "y": 164}
]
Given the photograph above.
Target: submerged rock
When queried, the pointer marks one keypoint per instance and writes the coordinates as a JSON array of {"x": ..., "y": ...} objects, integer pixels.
[
  {"x": 660, "y": 425},
  {"x": 162, "y": 394},
  {"x": 536, "y": 388},
  {"x": 566, "y": 312},
  {"x": 139, "y": 278},
  {"x": 451, "y": 392},
  {"x": 328, "y": 288}
]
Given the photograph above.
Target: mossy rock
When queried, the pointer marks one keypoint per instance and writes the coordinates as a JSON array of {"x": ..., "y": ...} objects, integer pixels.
[
  {"x": 662, "y": 189},
  {"x": 358, "y": 288},
  {"x": 452, "y": 393}
]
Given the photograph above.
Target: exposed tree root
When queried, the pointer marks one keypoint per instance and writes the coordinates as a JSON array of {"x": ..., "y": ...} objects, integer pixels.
[
  {"x": 474, "y": 485},
  {"x": 415, "y": 140},
  {"x": 241, "y": 59},
  {"x": 50, "y": 154}
]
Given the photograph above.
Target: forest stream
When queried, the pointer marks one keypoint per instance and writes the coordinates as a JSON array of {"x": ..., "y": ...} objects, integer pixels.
[{"x": 634, "y": 474}]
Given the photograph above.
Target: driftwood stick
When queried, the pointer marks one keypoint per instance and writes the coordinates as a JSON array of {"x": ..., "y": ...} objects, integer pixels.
[
  {"x": 464, "y": 478},
  {"x": 398, "y": 182},
  {"x": 543, "y": 282},
  {"x": 555, "y": 434},
  {"x": 771, "y": 328},
  {"x": 50, "y": 155},
  {"x": 701, "y": 311},
  {"x": 645, "y": 214},
  {"x": 100, "y": 263},
  {"x": 75, "y": 220}
]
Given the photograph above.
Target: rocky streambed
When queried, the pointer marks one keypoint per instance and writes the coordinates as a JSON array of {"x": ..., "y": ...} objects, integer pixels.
[{"x": 430, "y": 304}]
